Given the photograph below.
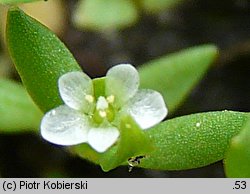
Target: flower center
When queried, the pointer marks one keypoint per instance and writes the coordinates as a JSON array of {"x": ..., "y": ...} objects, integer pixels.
[{"x": 104, "y": 109}]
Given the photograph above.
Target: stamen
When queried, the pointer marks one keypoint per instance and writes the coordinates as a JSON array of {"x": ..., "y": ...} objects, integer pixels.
[
  {"x": 111, "y": 99},
  {"x": 102, "y": 113},
  {"x": 89, "y": 98}
]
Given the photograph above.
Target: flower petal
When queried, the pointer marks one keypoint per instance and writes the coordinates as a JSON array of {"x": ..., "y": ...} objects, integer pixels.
[
  {"x": 147, "y": 107},
  {"x": 102, "y": 138},
  {"x": 75, "y": 88},
  {"x": 65, "y": 126},
  {"x": 122, "y": 81}
]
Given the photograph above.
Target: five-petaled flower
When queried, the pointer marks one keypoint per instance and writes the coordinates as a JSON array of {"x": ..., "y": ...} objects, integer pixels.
[{"x": 86, "y": 119}]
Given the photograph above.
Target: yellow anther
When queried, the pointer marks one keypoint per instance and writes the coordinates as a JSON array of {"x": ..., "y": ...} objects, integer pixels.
[
  {"x": 111, "y": 99},
  {"x": 102, "y": 113},
  {"x": 89, "y": 98}
]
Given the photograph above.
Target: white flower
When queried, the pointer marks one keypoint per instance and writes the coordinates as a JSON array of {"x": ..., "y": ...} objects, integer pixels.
[{"x": 84, "y": 119}]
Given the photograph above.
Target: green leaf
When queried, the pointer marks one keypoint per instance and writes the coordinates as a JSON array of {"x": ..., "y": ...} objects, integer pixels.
[
  {"x": 99, "y": 15},
  {"x": 18, "y": 112},
  {"x": 39, "y": 56},
  {"x": 175, "y": 75},
  {"x": 5, "y": 67},
  {"x": 192, "y": 141},
  {"x": 16, "y": 1},
  {"x": 186, "y": 142},
  {"x": 86, "y": 152},
  {"x": 132, "y": 142},
  {"x": 237, "y": 161},
  {"x": 154, "y": 6}
]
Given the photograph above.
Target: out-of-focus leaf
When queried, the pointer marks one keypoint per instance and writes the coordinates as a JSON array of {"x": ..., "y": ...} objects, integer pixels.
[
  {"x": 50, "y": 13},
  {"x": 175, "y": 75},
  {"x": 39, "y": 56},
  {"x": 102, "y": 15},
  {"x": 85, "y": 152},
  {"x": 16, "y": 1},
  {"x": 154, "y": 6},
  {"x": 17, "y": 111},
  {"x": 193, "y": 141},
  {"x": 237, "y": 161},
  {"x": 5, "y": 67}
]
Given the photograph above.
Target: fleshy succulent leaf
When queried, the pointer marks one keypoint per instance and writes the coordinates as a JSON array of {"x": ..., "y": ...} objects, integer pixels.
[{"x": 39, "y": 56}]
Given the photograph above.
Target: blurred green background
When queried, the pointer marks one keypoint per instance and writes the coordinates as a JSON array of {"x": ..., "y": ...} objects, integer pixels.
[{"x": 152, "y": 34}]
